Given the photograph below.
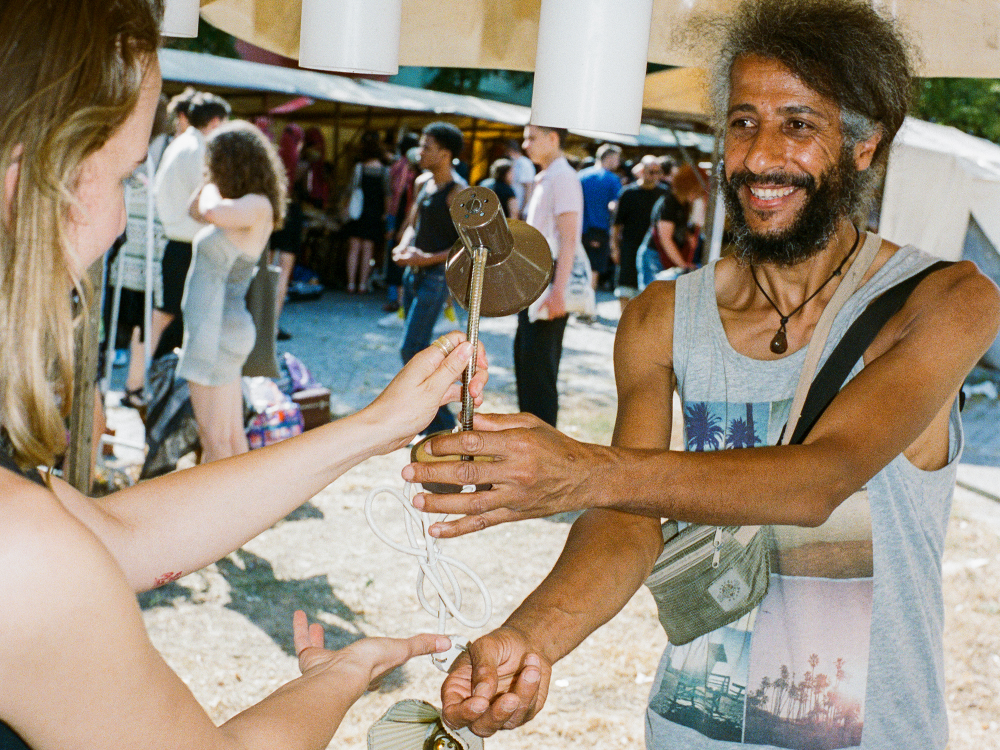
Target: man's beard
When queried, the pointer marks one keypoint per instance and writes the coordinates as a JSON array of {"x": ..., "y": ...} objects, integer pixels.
[{"x": 838, "y": 194}]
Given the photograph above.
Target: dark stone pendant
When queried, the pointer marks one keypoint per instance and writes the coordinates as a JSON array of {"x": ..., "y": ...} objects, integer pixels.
[{"x": 779, "y": 344}]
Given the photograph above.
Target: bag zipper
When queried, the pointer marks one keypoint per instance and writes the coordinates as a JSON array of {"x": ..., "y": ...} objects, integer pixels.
[{"x": 689, "y": 561}]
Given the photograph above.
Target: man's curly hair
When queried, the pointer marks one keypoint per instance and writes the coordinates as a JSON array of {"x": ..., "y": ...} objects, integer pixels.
[
  {"x": 842, "y": 49},
  {"x": 241, "y": 160}
]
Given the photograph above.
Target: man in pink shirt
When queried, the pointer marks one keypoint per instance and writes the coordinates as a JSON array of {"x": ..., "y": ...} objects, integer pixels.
[{"x": 556, "y": 210}]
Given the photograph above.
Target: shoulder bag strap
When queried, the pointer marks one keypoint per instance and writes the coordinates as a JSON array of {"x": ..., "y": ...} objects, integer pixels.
[
  {"x": 849, "y": 285},
  {"x": 852, "y": 347}
]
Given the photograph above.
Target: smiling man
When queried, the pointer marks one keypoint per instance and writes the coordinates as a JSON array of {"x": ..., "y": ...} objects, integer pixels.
[{"x": 845, "y": 648}]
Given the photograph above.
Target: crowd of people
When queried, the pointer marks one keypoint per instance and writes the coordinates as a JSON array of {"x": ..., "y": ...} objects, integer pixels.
[
  {"x": 636, "y": 222},
  {"x": 851, "y": 512},
  {"x": 392, "y": 212}
]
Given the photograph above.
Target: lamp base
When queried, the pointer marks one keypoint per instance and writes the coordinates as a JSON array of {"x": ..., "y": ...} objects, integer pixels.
[{"x": 419, "y": 455}]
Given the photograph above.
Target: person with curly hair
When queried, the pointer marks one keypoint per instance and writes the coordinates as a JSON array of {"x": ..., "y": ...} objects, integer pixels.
[
  {"x": 242, "y": 201},
  {"x": 841, "y": 643}
]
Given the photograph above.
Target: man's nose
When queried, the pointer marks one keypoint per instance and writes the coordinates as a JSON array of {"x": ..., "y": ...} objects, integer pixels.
[{"x": 766, "y": 151}]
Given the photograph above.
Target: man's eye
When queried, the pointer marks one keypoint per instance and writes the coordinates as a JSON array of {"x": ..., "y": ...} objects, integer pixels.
[{"x": 799, "y": 125}]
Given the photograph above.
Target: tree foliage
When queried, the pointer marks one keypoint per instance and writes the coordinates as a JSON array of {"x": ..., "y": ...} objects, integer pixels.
[
  {"x": 469, "y": 80},
  {"x": 210, "y": 40},
  {"x": 970, "y": 104}
]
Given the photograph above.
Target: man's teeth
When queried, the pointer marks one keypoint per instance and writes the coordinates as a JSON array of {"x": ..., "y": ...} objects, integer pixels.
[{"x": 768, "y": 194}]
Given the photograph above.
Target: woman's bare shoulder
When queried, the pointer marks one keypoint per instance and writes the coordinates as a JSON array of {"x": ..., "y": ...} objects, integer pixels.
[
  {"x": 69, "y": 618},
  {"x": 44, "y": 548}
]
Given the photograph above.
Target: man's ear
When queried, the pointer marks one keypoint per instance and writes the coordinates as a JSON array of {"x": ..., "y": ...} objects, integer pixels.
[
  {"x": 10, "y": 177},
  {"x": 864, "y": 151}
]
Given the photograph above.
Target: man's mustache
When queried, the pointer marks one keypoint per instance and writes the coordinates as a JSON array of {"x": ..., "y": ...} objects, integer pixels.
[{"x": 742, "y": 177}]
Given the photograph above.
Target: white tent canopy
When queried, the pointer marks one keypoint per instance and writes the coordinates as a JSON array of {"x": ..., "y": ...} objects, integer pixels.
[
  {"x": 938, "y": 178},
  {"x": 942, "y": 194},
  {"x": 209, "y": 70}
]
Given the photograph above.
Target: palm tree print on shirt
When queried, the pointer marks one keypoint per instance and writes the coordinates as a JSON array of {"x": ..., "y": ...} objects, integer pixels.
[{"x": 707, "y": 429}]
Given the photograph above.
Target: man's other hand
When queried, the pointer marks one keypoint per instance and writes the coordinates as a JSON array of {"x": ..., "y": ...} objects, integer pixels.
[{"x": 499, "y": 683}]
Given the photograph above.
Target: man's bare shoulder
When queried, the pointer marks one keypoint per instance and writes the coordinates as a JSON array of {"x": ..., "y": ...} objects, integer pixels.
[
  {"x": 646, "y": 327},
  {"x": 965, "y": 300}
]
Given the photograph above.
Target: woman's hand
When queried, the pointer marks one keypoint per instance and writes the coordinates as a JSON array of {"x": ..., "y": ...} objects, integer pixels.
[
  {"x": 362, "y": 664},
  {"x": 428, "y": 381}
]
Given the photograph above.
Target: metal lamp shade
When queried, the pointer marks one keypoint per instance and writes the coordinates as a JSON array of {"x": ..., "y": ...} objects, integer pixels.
[
  {"x": 351, "y": 36},
  {"x": 518, "y": 264},
  {"x": 180, "y": 18},
  {"x": 591, "y": 64}
]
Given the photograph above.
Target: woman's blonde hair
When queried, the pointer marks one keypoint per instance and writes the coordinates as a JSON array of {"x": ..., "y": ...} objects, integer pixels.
[
  {"x": 71, "y": 72},
  {"x": 241, "y": 160}
]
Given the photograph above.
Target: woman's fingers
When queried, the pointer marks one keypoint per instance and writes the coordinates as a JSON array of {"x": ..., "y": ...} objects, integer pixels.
[
  {"x": 394, "y": 652},
  {"x": 300, "y": 631},
  {"x": 306, "y": 637}
]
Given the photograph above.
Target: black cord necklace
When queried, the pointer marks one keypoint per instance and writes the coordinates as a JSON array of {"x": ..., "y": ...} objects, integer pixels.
[{"x": 779, "y": 344}]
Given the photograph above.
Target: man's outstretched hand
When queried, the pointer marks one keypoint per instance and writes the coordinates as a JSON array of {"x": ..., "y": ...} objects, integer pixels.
[
  {"x": 535, "y": 471},
  {"x": 499, "y": 683}
]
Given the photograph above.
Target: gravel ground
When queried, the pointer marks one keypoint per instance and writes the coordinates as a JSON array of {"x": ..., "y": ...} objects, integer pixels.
[{"x": 227, "y": 630}]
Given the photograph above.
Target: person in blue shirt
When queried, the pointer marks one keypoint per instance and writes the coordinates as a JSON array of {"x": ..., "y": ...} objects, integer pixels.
[{"x": 601, "y": 186}]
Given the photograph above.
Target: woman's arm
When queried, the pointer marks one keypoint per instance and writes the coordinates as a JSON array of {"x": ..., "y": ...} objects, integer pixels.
[
  {"x": 77, "y": 668},
  {"x": 166, "y": 527},
  {"x": 665, "y": 233},
  {"x": 209, "y": 207}
]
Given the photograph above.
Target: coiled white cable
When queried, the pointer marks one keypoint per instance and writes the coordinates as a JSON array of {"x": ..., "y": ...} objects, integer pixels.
[{"x": 435, "y": 568}]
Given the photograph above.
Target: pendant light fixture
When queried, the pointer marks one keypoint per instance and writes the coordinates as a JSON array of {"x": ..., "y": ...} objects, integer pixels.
[
  {"x": 351, "y": 36},
  {"x": 591, "y": 64},
  {"x": 180, "y": 18}
]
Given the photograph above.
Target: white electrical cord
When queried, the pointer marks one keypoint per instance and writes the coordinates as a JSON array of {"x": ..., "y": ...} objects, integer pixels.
[{"x": 435, "y": 568}]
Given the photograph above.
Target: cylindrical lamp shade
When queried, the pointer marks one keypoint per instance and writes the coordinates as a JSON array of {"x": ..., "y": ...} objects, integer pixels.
[
  {"x": 180, "y": 18},
  {"x": 591, "y": 64},
  {"x": 351, "y": 36}
]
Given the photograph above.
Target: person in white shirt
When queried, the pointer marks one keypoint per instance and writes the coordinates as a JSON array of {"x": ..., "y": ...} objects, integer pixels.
[
  {"x": 179, "y": 175},
  {"x": 556, "y": 210}
]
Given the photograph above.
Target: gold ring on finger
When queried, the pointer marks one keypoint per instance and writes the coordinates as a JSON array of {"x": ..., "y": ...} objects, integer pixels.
[{"x": 444, "y": 344}]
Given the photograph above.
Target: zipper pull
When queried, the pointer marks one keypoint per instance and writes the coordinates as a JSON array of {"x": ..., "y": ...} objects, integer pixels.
[{"x": 717, "y": 544}]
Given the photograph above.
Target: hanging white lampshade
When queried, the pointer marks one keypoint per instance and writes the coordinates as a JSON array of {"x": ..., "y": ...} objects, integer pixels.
[
  {"x": 180, "y": 18},
  {"x": 591, "y": 64},
  {"x": 352, "y": 36}
]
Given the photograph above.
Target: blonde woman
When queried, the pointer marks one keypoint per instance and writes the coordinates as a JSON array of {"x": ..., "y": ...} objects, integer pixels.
[
  {"x": 80, "y": 81},
  {"x": 242, "y": 202}
]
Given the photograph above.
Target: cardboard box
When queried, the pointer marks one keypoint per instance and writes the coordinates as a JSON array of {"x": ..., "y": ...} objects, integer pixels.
[{"x": 315, "y": 406}]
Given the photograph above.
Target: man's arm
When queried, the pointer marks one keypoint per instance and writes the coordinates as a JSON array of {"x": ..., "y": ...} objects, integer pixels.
[
  {"x": 502, "y": 681},
  {"x": 665, "y": 232},
  {"x": 897, "y": 404},
  {"x": 616, "y": 243}
]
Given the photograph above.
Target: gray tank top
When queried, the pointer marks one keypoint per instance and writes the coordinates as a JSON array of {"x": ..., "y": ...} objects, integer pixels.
[{"x": 846, "y": 648}]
